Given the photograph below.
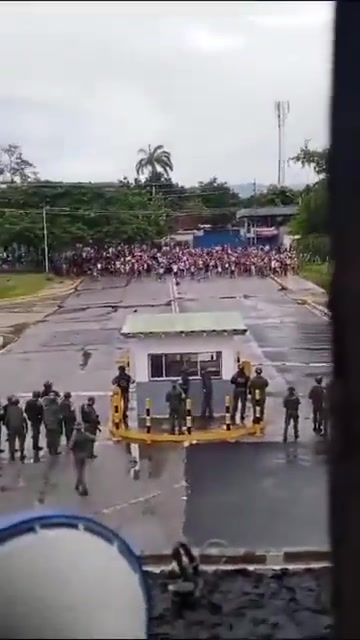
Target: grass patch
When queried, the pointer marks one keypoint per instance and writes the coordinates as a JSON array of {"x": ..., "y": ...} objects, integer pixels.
[
  {"x": 16, "y": 285},
  {"x": 319, "y": 274}
]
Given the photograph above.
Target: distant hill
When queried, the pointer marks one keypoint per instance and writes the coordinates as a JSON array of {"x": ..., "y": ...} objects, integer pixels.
[{"x": 246, "y": 189}]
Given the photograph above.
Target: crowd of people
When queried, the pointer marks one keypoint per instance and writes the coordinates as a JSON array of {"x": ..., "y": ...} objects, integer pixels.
[{"x": 180, "y": 260}]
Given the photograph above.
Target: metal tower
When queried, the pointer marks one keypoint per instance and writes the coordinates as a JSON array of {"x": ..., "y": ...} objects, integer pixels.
[{"x": 282, "y": 110}]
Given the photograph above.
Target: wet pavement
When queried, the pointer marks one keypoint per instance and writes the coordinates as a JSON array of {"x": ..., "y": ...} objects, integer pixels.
[{"x": 231, "y": 492}]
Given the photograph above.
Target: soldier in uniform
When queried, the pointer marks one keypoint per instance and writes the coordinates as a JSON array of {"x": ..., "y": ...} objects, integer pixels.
[
  {"x": 240, "y": 380},
  {"x": 184, "y": 383},
  {"x": 91, "y": 423},
  {"x": 52, "y": 423},
  {"x": 2, "y": 417},
  {"x": 326, "y": 415},
  {"x": 67, "y": 415},
  {"x": 34, "y": 412},
  {"x": 123, "y": 381},
  {"x": 16, "y": 425},
  {"x": 48, "y": 389},
  {"x": 81, "y": 444},
  {"x": 317, "y": 397},
  {"x": 175, "y": 399},
  {"x": 291, "y": 405},
  {"x": 207, "y": 394},
  {"x": 257, "y": 388}
]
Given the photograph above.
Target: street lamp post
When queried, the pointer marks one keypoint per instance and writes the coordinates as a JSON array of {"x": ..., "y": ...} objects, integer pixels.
[{"x": 46, "y": 248}]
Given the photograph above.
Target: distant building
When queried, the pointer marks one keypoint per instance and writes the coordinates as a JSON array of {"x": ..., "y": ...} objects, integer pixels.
[{"x": 265, "y": 225}]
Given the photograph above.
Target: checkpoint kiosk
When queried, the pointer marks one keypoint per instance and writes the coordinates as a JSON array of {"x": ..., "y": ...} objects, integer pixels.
[{"x": 161, "y": 346}]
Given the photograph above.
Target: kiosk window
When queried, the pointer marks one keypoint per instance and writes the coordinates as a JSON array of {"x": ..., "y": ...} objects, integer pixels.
[
  {"x": 156, "y": 362},
  {"x": 171, "y": 365}
]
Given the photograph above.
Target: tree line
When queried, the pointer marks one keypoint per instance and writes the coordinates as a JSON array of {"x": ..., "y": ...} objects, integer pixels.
[{"x": 145, "y": 208}]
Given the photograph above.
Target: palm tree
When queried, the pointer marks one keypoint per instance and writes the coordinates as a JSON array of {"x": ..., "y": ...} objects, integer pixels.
[{"x": 154, "y": 161}]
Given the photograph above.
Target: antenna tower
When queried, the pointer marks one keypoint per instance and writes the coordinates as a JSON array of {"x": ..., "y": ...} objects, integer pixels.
[{"x": 282, "y": 110}]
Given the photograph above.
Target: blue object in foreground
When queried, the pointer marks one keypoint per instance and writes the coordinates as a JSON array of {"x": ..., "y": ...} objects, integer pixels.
[{"x": 68, "y": 576}]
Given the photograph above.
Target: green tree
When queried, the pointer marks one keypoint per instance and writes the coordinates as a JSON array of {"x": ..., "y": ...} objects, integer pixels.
[
  {"x": 312, "y": 217},
  {"x": 316, "y": 159},
  {"x": 154, "y": 162},
  {"x": 79, "y": 214},
  {"x": 14, "y": 167},
  {"x": 274, "y": 196}
]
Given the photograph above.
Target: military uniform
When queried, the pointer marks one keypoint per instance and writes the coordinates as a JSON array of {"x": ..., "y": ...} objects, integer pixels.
[
  {"x": 52, "y": 423},
  {"x": 80, "y": 445},
  {"x": 317, "y": 397},
  {"x": 34, "y": 412},
  {"x": 16, "y": 425},
  {"x": 291, "y": 405},
  {"x": 240, "y": 380},
  {"x": 207, "y": 395},
  {"x": 257, "y": 388},
  {"x": 67, "y": 415},
  {"x": 47, "y": 390},
  {"x": 91, "y": 423},
  {"x": 326, "y": 413},
  {"x": 175, "y": 400},
  {"x": 123, "y": 381}
]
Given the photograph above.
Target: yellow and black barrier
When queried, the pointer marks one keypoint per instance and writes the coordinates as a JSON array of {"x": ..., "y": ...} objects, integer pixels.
[
  {"x": 148, "y": 415},
  {"x": 188, "y": 417},
  {"x": 227, "y": 413},
  {"x": 197, "y": 436},
  {"x": 117, "y": 413}
]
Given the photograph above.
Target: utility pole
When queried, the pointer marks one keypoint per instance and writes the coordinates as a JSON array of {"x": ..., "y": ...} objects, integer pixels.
[
  {"x": 282, "y": 110},
  {"x": 46, "y": 248}
]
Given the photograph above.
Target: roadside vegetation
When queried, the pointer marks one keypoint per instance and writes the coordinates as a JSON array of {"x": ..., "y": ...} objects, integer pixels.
[
  {"x": 145, "y": 208},
  {"x": 24, "y": 284},
  {"x": 319, "y": 274}
]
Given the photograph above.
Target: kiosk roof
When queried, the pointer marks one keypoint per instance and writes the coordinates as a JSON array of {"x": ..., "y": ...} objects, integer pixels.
[{"x": 143, "y": 324}]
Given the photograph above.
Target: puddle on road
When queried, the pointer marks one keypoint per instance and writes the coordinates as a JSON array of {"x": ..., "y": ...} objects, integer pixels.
[{"x": 86, "y": 356}]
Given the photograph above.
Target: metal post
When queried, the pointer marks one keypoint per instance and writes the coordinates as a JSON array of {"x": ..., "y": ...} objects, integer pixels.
[
  {"x": 227, "y": 414},
  {"x": 188, "y": 417},
  {"x": 147, "y": 415},
  {"x": 46, "y": 248}
]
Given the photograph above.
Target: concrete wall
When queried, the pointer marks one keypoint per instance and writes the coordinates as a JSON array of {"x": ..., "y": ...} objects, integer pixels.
[{"x": 156, "y": 390}]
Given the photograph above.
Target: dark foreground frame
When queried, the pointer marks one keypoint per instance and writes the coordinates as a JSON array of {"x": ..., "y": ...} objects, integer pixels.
[{"x": 344, "y": 185}]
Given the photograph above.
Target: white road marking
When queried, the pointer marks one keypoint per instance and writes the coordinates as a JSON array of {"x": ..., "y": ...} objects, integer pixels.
[
  {"x": 150, "y": 496},
  {"x": 174, "y": 295}
]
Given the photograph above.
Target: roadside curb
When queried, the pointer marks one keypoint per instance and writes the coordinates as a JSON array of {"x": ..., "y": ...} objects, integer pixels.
[
  {"x": 243, "y": 558},
  {"x": 43, "y": 294},
  {"x": 305, "y": 301}
]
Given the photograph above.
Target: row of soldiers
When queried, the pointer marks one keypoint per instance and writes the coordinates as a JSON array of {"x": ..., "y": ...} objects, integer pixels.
[
  {"x": 243, "y": 388},
  {"x": 56, "y": 413},
  {"x": 254, "y": 388}
]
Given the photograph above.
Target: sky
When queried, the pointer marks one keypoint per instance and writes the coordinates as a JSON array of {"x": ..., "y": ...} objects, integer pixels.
[{"x": 85, "y": 84}]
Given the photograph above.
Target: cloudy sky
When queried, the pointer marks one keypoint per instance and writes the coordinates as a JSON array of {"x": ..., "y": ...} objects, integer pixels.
[{"x": 85, "y": 84}]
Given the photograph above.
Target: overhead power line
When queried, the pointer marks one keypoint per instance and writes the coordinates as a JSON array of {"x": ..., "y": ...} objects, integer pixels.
[{"x": 65, "y": 212}]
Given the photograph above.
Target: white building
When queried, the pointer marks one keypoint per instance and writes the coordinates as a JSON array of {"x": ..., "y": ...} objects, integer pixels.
[{"x": 162, "y": 345}]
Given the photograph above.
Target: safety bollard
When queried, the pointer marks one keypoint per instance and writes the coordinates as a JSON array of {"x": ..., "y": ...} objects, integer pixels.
[
  {"x": 147, "y": 415},
  {"x": 188, "y": 417},
  {"x": 257, "y": 420},
  {"x": 227, "y": 414},
  {"x": 116, "y": 401}
]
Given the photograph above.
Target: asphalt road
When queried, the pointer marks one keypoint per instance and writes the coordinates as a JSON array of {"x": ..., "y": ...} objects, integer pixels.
[{"x": 247, "y": 495}]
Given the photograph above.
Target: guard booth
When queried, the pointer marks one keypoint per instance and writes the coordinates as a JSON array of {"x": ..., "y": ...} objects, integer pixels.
[{"x": 161, "y": 346}]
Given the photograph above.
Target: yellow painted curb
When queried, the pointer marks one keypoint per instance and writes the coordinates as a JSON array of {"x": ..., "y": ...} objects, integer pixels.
[{"x": 201, "y": 435}]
